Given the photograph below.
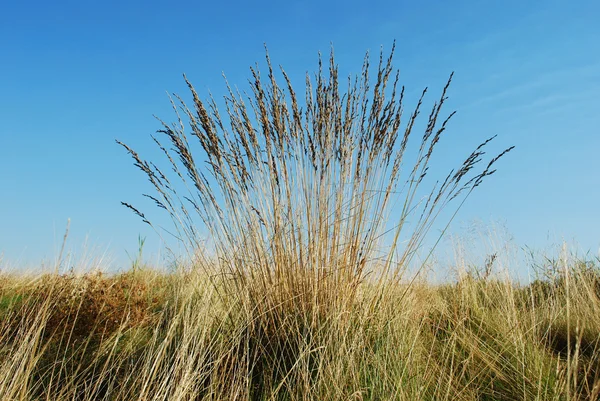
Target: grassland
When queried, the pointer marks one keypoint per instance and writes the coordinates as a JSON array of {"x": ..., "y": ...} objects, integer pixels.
[
  {"x": 145, "y": 335},
  {"x": 313, "y": 216}
]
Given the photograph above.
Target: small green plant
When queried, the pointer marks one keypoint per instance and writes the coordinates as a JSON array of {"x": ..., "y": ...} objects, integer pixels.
[{"x": 137, "y": 262}]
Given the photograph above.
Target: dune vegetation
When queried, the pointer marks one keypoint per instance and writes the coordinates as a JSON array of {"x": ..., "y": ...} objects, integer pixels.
[{"x": 300, "y": 218}]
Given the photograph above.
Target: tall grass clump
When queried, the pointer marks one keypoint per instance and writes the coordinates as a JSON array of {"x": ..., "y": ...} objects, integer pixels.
[{"x": 296, "y": 196}]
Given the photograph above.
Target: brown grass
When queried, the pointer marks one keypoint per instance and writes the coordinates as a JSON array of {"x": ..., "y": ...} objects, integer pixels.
[
  {"x": 297, "y": 200},
  {"x": 178, "y": 338},
  {"x": 303, "y": 295}
]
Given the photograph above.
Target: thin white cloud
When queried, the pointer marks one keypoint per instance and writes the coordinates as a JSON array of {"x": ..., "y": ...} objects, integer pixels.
[{"x": 553, "y": 80}]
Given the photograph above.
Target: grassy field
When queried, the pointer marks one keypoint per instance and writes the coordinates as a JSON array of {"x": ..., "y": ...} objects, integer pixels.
[
  {"x": 146, "y": 335},
  {"x": 312, "y": 216}
]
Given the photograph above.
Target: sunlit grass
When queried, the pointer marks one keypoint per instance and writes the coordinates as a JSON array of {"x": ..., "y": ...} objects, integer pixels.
[
  {"x": 150, "y": 335},
  {"x": 302, "y": 292}
]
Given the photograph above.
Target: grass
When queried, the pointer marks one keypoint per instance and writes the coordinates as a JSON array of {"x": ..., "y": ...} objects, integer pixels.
[
  {"x": 312, "y": 217},
  {"x": 150, "y": 335}
]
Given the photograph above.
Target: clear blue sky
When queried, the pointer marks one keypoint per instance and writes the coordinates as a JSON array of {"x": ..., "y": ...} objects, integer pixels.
[{"x": 77, "y": 75}]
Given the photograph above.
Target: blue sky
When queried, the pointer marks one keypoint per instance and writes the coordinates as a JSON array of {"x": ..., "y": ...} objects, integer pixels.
[{"x": 78, "y": 75}]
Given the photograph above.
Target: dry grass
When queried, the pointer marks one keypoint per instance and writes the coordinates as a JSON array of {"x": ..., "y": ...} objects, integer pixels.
[
  {"x": 298, "y": 199},
  {"x": 302, "y": 295},
  {"x": 158, "y": 336}
]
